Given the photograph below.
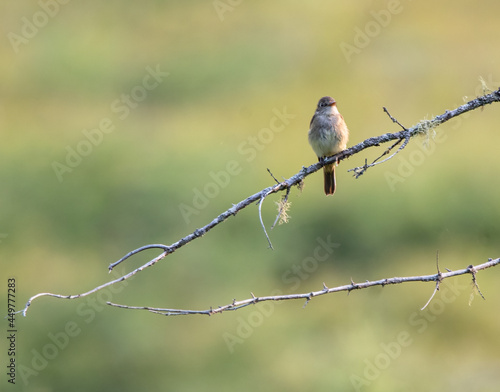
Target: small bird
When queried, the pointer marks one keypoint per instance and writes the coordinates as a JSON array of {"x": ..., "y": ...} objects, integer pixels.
[{"x": 328, "y": 135}]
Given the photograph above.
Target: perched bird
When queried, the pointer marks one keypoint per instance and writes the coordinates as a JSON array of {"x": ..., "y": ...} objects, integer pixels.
[{"x": 328, "y": 135}]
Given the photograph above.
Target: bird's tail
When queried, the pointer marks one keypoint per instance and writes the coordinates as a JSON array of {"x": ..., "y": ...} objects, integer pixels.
[{"x": 329, "y": 173}]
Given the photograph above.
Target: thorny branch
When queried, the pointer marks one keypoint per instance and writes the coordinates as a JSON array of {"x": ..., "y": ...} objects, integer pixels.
[
  {"x": 235, "y": 305},
  {"x": 422, "y": 128}
]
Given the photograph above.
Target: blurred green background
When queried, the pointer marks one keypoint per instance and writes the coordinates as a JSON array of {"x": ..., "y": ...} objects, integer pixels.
[{"x": 231, "y": 65}]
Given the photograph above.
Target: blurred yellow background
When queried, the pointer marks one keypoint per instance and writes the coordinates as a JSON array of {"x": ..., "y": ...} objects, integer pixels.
[{"x": 130, "y": 123}]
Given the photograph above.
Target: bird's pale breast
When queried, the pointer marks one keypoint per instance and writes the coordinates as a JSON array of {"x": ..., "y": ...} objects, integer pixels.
[{"x": 328, "y": 135}]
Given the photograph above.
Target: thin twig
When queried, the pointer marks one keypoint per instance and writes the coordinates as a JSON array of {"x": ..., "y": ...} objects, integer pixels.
[
  {"x": 438, "y": 281},
  {"x": 360, "y": 170},
  {"x": 394, "y": 120},
  {"x": 473, "y": 270},
  {"x": 432, "y": 296},
  {"x": 272, "y": 175},
  {"x": 135, "y": 251},
  {"x": 389, "y": 150},
  {"x": 235, "y": 305},
  {"x": 262, "y": 222}
]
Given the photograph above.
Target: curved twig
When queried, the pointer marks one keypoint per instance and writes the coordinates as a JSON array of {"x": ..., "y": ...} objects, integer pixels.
[
  {"x": 135, "y": 251},
  {"x": 438, "y": 281},
  {"x": 262, "y": 221}
]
